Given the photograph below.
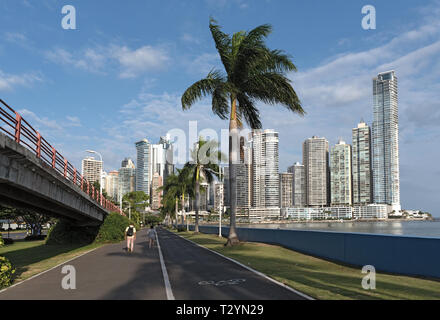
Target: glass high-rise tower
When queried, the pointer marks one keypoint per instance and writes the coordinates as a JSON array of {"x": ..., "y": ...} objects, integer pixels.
[
  {"x": 143, "y": 173},
  {"x": 386, "y": 180}
]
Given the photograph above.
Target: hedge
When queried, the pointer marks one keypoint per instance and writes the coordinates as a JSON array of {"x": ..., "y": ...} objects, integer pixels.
[
  {"x": 6, "y": 273},
  {"x": 64, "y": 232},
  {"x": 113, "y": 228}
]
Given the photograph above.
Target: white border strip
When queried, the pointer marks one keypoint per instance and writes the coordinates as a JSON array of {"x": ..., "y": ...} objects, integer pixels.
[
  {"x": 253, "y": 270},
  {"x": 166, "y": 280},
  {"x": 43, "y": 272}
]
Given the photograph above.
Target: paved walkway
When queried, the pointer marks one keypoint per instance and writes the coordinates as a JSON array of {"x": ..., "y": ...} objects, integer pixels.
[{"x": 111, "y": 273}]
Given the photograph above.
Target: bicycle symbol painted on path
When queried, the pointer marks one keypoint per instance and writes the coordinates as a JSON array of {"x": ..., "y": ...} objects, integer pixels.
[{"x": 222, "y": 282}]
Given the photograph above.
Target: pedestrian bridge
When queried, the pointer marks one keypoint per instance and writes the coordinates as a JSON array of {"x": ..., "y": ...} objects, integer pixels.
[{"x": 35, "y": 176}]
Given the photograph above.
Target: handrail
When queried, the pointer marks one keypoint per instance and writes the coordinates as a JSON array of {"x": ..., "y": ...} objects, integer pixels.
[{"x": 14, "y": 125}]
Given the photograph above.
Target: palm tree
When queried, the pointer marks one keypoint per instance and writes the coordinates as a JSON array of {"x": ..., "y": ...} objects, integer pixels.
[
  {"x": 185, "y": 186},
  {"x": 201, "y": 168},
  {"x": 171, "y": 190},
  {"x": 252, "y": 72}
]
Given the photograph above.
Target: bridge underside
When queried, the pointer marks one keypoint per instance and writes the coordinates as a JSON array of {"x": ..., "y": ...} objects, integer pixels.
[{"x": 27, "y": 182}]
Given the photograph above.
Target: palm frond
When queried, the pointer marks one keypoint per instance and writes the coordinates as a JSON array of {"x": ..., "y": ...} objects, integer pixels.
[
  {"x": 222, "y": 43},
  {"x": 201, "y": 88}
]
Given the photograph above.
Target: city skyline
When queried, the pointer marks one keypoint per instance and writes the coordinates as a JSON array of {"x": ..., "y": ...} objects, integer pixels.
[{"x": 334, "y": 78}]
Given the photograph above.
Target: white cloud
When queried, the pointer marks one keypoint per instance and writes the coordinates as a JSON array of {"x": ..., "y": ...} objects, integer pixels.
[
  {"x": 9, "y": 81},
  {"x": 141, "y": 60},
  {"x": 186, "y": 37},
  {"x": 89, "y": 60},
  {"x": 130, "y": 62}
]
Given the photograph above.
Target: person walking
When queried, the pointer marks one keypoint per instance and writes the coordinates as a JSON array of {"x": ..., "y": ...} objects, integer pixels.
[
  {"x": 151, "y": 234},
  {"x": 130, "y": 236}
]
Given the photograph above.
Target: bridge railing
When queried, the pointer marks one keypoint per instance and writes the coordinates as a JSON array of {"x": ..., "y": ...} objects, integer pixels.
[{"x": 15, "y": 126}]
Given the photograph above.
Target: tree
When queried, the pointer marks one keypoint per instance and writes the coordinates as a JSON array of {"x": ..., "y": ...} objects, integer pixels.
[
  {"x": 172, "y": 193},
  {"x": 137, "y": 200},
  {"x": 32, "y": 218},
  {"x": 252, "y": 72},
  {"x": 204, "y": 166}
]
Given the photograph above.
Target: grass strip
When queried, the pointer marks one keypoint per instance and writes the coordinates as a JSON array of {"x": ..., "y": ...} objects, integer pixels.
[
  {"x": 32, "y": 257},
  {"x": 318, "y": 278}
]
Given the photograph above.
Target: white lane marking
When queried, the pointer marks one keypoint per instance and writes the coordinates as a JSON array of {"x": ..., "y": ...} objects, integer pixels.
[
  {"x": 58, "y": 265},
  {"x": 166, "y": 280},
  {"x": 253, "y": 270}
]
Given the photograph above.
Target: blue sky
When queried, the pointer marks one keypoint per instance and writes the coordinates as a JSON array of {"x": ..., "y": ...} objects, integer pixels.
[{"x": 119, "y": 76}]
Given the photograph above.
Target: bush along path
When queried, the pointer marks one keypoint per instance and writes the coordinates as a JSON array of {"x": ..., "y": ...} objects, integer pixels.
[{"x": 6, "y": 270}]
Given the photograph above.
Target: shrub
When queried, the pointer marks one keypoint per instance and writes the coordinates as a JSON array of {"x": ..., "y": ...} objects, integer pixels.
[
  {"x": 64, "y": 232},
  {"x": 113, "y": 228},
  {"x": 1, "y": 242},
  {"x": 8, "y": 241},
  {"x": 35, "y": 238},
  {"x": 6, "y": 272}
]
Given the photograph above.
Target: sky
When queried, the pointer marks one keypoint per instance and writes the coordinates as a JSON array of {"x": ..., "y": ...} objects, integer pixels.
[{"x": 118, "y": 77}]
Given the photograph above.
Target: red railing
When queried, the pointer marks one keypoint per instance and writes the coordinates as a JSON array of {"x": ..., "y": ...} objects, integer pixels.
[{"x": 23, "y": 133}]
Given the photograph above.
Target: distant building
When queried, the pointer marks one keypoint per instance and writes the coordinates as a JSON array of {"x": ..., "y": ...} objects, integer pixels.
[
  {"x": 340, "y": 174},
  {"x": 218, "y": 198},
  {"x": 111, "y": 185},
  {"x": 315, "y": 160},
  {"x": 156, "y": 198},
  {"x": 386, "y": 177},
  {"x": 226, "y": 193},
  {"x": 286, "y": 190},
  {"x": 92, "y": 169},
  {"x": 299, "y": 191},
  {"x": 127, "y": 177},
  {"x": 127, "y": 163},
  {"x": 361, "y": 165},
  {"x": 243, "y": 194},
  {"x": 265, "y": 171}
]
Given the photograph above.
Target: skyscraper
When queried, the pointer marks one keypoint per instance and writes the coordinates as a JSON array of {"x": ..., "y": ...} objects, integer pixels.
[
  {"x": 315, "y": 160},
  {"x": 161, "y": 158},
  {"x": 340, "y": 174},
  {"x": 91, "y": 169},
  {"x": 286, "y": 190},
  {"x": 299, "y": 192},
  {"x": 266, "y": 179},
  {"x": 386, "y": 177},
  {"x": 361, "y": 165},
  {"x": 143, "y": 173},
  {"x": 127, "y": 177}
]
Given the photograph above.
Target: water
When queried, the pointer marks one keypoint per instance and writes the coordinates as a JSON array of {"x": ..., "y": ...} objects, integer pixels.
[{"x": 407, "y": 228}]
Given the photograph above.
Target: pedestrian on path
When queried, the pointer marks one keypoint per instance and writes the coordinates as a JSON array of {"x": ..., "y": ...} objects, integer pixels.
[
  {"x": 151, "y": 235},
  {"x": 130, "y": 236}
]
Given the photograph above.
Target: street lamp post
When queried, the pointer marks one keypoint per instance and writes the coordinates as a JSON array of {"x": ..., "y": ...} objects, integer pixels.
[{"x": 100, "y": 174}]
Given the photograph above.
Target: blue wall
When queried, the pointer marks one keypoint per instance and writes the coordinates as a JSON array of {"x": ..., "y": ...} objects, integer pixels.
[{"x": 395, "y": 254}]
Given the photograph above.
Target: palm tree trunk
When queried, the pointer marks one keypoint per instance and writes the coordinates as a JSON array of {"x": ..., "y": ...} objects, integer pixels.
[
  {"x": 183, "y": 209},
  {"x": 177, "y": 207},
  {"x": 196, "y": 225},
  {"x": 233, "y": 157}
]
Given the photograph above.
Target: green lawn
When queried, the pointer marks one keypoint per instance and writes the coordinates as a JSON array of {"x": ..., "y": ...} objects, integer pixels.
[
  {"x": 315, "y": 277},
  {"x": 32, "y": 257}
]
